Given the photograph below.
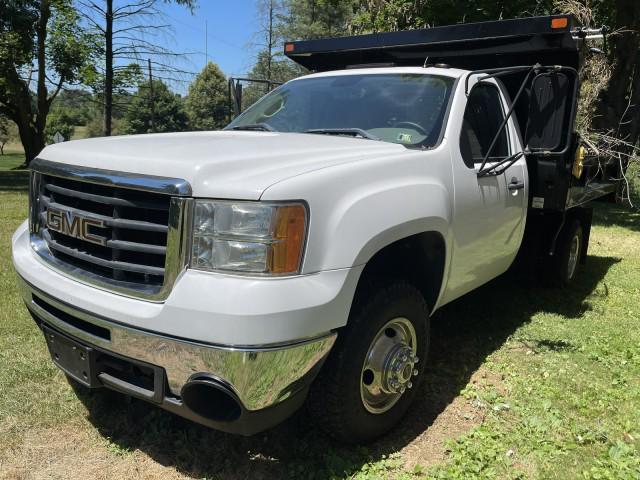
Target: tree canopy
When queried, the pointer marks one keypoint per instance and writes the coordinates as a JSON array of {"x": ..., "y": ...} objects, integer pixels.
[
  {"x": 60, "y": 120},
  {"x": 42, "y": 48},
  {"x": 308, "y": 19},
  {"x": 155, "y": 108},
  {"x": 206, "y": 102}
]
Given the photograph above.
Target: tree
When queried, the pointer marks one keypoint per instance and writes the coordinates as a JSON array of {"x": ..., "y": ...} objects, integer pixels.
[
  {"x": 42, "y": 46},
  {"x": 60, "y": 120},
  {"x": 391, "y": 15},
  {"x": 155, "y": 108},
  {"x": 309, "y": 19},
  {"x": 127, "y": 32},
  {"x": 206, "y": 103}
]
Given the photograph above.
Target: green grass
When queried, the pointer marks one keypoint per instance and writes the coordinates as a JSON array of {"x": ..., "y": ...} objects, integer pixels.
[
  {"x": 25, "y": 373},
  {"x": 572, "y": 372},
  {"x": 563, "y": 400}
]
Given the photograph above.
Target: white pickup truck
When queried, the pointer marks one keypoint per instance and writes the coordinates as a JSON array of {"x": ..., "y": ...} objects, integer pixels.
[{"x": 227, "y": 276}]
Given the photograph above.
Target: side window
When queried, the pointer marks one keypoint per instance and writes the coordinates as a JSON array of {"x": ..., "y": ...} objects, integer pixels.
[{"x": 482, "y": 119}]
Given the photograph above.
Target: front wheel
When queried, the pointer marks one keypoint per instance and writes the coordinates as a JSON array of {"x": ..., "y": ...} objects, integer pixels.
[{"x": 374, "y": 370}]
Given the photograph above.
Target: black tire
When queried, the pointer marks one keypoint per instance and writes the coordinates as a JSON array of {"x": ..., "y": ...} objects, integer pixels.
[
  {"x": 560, "y": 274},
  {"x": 335, "y": 400}
]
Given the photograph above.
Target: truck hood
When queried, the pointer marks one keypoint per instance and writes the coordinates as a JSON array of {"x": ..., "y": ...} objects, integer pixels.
[{"x": 225, "y": 164}]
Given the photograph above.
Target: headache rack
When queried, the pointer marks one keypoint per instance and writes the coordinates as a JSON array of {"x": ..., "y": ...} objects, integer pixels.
[{"x": 536, "y": 59}]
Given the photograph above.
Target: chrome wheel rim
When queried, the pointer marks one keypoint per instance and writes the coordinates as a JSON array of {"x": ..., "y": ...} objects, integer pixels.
[
  {"x": 574, "y": 253},
  {"x": 389, "y": 366}
]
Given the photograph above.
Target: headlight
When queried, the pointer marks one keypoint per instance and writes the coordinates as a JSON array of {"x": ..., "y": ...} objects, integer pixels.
[{"x": 249, "y": 237}]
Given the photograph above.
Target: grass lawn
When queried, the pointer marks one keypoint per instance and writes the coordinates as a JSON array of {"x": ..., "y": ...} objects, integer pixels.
[{"x": 524, "y": 382}]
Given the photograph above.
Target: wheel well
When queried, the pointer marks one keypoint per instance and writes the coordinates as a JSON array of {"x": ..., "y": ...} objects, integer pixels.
[{"x": 418, "y": 259}]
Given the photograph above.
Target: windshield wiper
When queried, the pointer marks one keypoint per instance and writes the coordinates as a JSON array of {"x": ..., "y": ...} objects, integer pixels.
[
  {"x": 354, "y": 132},
  {"x": 263, "y": 127}
]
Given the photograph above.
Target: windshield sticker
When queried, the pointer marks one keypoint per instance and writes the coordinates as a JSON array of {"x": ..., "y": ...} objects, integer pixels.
[{"x": 404, "y": 137}]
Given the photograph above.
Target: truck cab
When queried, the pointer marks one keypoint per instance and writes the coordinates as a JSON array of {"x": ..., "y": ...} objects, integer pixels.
[
  {"x": 298, "y": 255},
  {"x": 445, "y": 125}
]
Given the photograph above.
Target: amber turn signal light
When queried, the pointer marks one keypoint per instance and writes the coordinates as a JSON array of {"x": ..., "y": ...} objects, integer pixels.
[
  {"x": 561, "y": 22},
  {"x": 289, "y": 235}
]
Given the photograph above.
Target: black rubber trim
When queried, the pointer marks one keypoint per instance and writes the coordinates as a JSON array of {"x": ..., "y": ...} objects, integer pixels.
[{"x": 91, "y": 328}]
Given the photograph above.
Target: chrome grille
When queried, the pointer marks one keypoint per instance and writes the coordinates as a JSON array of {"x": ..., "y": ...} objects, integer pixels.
[{"x": 140, "y": 223}]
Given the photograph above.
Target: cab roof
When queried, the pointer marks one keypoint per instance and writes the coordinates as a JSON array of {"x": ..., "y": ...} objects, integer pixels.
[{"x": 441, "y": 71}]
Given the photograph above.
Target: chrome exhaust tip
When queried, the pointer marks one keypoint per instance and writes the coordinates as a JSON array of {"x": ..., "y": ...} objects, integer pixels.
[{"x": 211, "y": 399}]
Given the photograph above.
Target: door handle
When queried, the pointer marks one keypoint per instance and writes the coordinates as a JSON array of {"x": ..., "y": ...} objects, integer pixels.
[{"x": 515, "y": 184}]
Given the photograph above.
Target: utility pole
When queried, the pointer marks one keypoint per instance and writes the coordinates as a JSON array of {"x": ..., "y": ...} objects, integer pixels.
[
  {"x": 270, "y": 44},
  {"x": 151, "y": 99},
  {"x": 108, "y": 78}
]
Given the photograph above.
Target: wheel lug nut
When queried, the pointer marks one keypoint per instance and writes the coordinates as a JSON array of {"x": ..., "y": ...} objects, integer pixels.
[
  {"x": 409, "y": 385},
  {"x": 415, "y": 372}
]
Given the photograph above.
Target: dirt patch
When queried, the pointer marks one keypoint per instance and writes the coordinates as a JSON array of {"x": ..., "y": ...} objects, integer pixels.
[
  {"x": 80, "y": 451},
  {"x": 456, "y": 419},
  {"x": 73, "y": 453}
]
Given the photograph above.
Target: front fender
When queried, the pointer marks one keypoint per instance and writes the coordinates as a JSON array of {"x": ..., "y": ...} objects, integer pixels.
[
  {"x": 381, "y": 216},
  {"x": 358, "y": 209}
]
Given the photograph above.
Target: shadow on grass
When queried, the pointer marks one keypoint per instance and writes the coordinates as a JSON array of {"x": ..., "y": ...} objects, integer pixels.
[
  {"x": 16, "y": 180},
  {"x": 611, "y": 214},
  {"x": 464, "y": 333}
]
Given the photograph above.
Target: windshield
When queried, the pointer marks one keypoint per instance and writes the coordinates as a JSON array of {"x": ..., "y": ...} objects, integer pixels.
[{"x": 408, "y": 109}]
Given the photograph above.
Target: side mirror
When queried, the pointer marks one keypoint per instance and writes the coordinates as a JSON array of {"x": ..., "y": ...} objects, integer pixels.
[{"x": 550, "y": 111}]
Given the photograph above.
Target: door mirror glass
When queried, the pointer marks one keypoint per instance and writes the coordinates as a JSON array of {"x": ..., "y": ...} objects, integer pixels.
[{"x": 548, "y": 112}]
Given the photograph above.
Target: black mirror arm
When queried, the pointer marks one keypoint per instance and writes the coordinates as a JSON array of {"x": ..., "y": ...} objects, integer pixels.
[
  {"x": 496, "y": 72},
  {"x": 507, "y": 116},
  {"x": 500, "y": 167}
]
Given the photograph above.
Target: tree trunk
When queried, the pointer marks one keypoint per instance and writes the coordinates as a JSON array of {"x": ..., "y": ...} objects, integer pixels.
[
  {"x": 108, "y": 78},
  {"x": 32, "y": 142},
  {"x": 31, "y": 125},
  {"x": 619, "y": 108},
  {"x": 42, "y": 100}
]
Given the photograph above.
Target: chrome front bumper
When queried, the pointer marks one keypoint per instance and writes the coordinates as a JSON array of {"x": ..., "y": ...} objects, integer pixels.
[{"x": 259, "y": 376}]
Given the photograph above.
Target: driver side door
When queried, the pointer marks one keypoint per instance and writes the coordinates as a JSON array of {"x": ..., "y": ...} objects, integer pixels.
[{"x": 488, "y": 211}]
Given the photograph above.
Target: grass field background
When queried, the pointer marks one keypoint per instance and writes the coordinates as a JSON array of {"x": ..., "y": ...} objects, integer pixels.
[{"x": 523, "y": 382}]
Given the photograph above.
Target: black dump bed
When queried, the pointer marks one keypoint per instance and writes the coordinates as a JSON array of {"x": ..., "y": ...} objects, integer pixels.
[{"x": 545, "y": 40}]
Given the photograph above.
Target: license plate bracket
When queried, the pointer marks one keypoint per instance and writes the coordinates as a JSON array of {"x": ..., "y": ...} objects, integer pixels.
[{"x": 73, "y": 358}]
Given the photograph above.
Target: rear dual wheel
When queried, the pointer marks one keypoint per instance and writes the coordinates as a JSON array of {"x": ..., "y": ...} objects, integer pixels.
[
  {"x": 565, "y": 264},
  {"x": 374, "y": 370}
]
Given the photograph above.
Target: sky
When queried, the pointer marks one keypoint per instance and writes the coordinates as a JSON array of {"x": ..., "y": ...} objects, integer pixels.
[{"x": 230, "y": 27}]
